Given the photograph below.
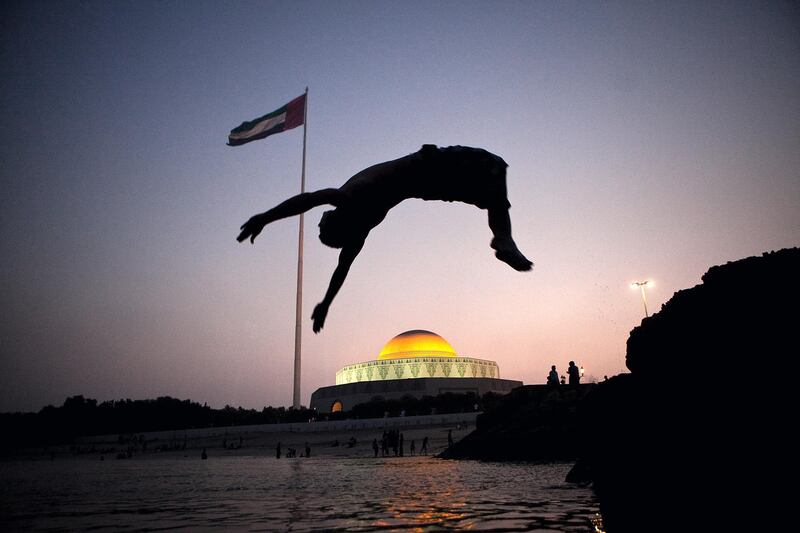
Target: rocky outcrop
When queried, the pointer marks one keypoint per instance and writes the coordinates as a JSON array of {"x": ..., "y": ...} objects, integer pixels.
[
  {"x": 531, "y": 423},
  {"x": 693, "y": 437},
  {"x": 700, "y": 435}
]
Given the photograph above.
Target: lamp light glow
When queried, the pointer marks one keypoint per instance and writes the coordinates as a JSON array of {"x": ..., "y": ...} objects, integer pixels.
[{"x": 641, "y": 285}]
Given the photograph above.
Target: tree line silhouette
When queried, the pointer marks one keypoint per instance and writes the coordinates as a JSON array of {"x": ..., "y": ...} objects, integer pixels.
[
  {"x": 411, "y": 406},
  {"x": 82, "y": 417}
]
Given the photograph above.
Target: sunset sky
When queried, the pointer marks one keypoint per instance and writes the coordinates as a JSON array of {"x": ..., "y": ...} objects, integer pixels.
[{"x": 645, "y": 140}]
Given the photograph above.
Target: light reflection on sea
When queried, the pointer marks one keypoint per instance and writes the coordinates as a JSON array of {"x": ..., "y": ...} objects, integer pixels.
[{"x": 315, "y": 494}]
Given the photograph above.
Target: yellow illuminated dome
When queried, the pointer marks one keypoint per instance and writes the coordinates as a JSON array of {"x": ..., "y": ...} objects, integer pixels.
[{"x": 416, "y": 343}]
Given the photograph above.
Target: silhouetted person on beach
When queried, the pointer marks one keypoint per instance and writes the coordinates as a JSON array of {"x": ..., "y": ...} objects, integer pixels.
[
  {"x": 454, "y": 174},
  {"x": 449, "y": 438},
  {"x": 574, "y": 374},
  {"x": 424, "y": 449},
  {"x": 413, "y": 447},
  {"x": 552, "y": 376},
  {"x": 278, "y": 451},
  {"x": 375, "y": 446},
  {"x": 308, "y": 450}
]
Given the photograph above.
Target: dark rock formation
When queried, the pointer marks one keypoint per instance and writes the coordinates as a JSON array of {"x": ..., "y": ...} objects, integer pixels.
[
  {"x": 531, "y": 423},
  {"x": 693, "y": 439}
]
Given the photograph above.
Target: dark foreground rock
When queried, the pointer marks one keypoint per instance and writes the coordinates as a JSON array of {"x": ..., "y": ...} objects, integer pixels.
[
  {"x": 531, "y": 423},
  {"x": 700, "y": 436},
  {"x": 696, "y": 438}
]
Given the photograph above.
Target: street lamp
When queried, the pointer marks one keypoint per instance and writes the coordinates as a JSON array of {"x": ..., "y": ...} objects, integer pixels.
[{"x": 641, "y": 285}]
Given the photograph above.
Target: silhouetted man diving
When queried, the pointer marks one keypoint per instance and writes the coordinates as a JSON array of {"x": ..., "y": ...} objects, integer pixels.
[{"x": 454, "y": 174}]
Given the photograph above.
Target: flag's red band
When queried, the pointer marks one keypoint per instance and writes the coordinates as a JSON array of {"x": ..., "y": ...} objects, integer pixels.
[{"x": 295, "y": 112}]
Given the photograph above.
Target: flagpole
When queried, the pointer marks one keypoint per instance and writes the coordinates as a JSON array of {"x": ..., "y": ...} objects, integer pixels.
[{"x": 298, "y": 334}]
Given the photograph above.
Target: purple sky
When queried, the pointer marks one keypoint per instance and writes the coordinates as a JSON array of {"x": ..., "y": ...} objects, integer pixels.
[{"x": 645, "y": 141}]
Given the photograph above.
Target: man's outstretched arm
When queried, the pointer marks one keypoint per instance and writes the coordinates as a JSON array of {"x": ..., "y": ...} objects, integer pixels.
[
  {"x": 293, "y": 206},
  {"x": 346, "y": 257}
]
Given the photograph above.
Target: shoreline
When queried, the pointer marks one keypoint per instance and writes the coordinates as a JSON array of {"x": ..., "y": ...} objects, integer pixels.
[{"x": 261, "y": 440}]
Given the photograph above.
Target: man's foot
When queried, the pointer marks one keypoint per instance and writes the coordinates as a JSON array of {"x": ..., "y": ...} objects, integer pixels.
[{"x": 508, "y": 253}]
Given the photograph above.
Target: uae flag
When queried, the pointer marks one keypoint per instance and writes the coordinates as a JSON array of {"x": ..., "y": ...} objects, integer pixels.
[{"x": 287, "y": 117}]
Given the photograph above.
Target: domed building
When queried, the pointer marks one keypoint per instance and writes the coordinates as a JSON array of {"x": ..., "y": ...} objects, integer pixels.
[{"x": 415, "y": 363}]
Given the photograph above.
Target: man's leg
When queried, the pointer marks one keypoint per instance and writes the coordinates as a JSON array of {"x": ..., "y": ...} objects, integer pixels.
[{"x": 505, "y": 248}]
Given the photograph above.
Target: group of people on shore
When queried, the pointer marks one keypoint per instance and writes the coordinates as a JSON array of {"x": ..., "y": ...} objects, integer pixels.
[
  {"x": 292, "y": 452},
  {"x": 391, "y": 441},
  {"x": 395, "y": 441},
  {"x": 573, "y": 372}
]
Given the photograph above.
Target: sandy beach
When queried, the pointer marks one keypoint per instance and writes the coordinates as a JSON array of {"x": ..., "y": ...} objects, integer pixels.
[{"x": 348, "y": 438}]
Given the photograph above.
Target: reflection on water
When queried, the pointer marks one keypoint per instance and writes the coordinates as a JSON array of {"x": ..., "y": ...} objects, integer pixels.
[{"x": 316, "y": 494}]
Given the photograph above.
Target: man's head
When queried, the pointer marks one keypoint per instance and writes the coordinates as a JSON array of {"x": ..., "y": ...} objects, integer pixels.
[{"x": 333, "y": 229}]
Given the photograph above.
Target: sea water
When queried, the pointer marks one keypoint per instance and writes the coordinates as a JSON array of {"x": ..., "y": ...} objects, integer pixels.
[{"x": 249, "y": 493}]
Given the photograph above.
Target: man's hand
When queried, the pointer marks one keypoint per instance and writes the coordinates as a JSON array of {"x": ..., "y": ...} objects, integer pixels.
[
  {"x": 318, "y": 316},
  {"x": 251, "y": 228}
]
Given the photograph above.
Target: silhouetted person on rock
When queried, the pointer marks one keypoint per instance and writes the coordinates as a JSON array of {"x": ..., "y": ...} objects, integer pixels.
[
  {"x": 454, "y": 174},
  {"x": 552, "y": 376},
  {"x": 574, "y": 374}
]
